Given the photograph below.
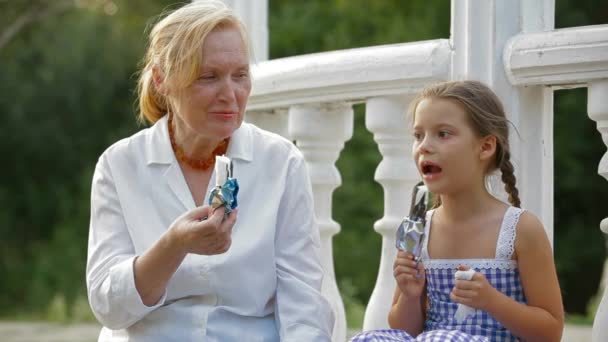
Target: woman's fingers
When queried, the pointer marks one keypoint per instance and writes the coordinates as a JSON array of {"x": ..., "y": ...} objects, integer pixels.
[
  {"x": 223, "y": 248},
  {"x": 229, "y": 222},
  {"x": 217, "y": 216},
  {"x": 200, "y": 213}
]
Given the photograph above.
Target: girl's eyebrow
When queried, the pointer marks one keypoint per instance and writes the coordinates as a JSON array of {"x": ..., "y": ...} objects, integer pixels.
[
  {"x": 437, "y": 126},
  {"x": 446, "y": 125}
]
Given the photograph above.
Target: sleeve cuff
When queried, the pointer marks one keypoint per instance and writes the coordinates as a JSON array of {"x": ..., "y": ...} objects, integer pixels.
[
  {"x": 122, "y": 278},
  {"x": 301, "y": 332}
]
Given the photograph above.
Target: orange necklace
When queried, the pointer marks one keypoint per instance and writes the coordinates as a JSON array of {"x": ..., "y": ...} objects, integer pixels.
[{"x": 197, "y": 164}]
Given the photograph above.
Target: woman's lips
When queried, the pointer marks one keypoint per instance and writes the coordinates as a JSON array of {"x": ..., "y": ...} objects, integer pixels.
[{"x": 224, "y": 115}]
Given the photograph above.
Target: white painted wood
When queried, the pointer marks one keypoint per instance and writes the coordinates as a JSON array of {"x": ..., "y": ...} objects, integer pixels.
[
  {"x": 597, "y": 107},
  {"x": 534, "y": 156},
  {"x": 351, "y": 75},
  {"x": 565, "y": 56},
  {"x": 320, "y": 132},
  {"x": 480, "y": 30},
  {"x": 386, "y": 117},
  {"x": 275, "y": 121},
  {"x": 254, "y": 14}
]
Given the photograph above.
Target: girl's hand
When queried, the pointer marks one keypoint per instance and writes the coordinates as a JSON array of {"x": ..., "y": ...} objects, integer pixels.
[
  {"x": 204, "y": 231},
  {"x": 476, "y": 293},
  {"x": 409, "y": 275}
]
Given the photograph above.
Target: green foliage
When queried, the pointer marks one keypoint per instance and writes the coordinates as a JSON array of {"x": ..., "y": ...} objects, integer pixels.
[
  {"x": 341, "y": 24},
  {"x": 355, "y": 309},
  {"x": 580, "y": 246},
  {"x": 66, "y": 94}
]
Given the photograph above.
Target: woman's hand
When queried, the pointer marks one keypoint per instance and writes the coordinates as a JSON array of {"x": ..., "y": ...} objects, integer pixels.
[
  {"x": 409, "y": 275},
  {"x": 204, "y": 230},
  {"x": 476, "y": 293}
]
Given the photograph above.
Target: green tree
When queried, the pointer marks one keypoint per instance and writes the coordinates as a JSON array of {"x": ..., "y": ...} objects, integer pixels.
[{"x": 66, "y": 93}]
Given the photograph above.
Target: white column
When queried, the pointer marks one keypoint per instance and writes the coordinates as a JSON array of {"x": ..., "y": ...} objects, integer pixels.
[
  {"x": 320, "y": 132},
  {"x": 275, "y": 121},
  {"x": 480, "y": 30},
  {"x": 254, "y": 14},
  {"x": 597, "y": 107},
  {"x": 387, "y": 119}
]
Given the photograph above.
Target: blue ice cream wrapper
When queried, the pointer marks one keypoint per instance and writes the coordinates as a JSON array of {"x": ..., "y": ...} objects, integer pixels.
[{"x": 225, "y": 196}]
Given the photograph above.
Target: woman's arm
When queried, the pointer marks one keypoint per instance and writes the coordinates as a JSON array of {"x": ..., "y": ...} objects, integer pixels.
[
  {"x": 155, "y": 267},
  {"x": 123, "y": 287},
  {"x": 111, "y": 253}
]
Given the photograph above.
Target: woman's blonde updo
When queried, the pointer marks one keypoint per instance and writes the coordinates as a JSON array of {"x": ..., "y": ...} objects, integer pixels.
[{"x": 175, "y": 50}]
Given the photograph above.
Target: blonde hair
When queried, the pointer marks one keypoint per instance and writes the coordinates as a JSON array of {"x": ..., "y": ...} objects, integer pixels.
[
  {"x": 486, "y": 116},
  {"x": 175, "y": 45}
]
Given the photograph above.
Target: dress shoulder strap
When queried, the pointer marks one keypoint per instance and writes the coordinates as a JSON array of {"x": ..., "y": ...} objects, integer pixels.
[{"x": 505, "y": 245}]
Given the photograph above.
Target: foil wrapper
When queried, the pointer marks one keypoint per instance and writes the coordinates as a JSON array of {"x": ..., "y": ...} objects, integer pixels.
[
  {"x": 410, "y": 233},
  {"x": 226, "y": 186}
]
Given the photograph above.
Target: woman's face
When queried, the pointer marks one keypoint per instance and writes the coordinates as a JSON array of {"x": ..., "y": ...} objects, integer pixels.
[{"x": 214, "y": 105}]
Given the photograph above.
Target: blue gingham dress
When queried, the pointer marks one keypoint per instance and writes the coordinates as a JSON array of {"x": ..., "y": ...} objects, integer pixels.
[{"x": 440, "y": 325}]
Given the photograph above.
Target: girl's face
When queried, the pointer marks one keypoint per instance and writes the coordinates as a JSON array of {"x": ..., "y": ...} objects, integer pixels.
[{"x": 448, "y": 154}]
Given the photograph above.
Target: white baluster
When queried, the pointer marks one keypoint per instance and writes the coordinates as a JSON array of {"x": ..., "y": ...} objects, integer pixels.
[
  {"x": 386, "y": 117},
  {"x": 275, "y": 121},
  {"x": 320, "y": 132},
  {"x": 254, "y": 14},
  {"x": 597, "y": 107}
]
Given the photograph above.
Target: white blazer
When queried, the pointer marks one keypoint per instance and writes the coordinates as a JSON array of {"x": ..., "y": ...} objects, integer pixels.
[{"x": 265, "y": 288}]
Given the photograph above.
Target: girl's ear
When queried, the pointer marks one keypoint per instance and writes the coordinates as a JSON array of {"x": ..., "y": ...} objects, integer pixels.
[{"x": 488, "y": 147}]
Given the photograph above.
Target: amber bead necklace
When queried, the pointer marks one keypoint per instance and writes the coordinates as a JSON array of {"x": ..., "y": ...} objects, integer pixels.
[{"x": 197, "y": 164}]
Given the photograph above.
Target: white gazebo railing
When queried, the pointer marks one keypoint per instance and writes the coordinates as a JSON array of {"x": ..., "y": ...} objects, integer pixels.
[
  {"x": 316, "y": 93},
  {"x": 508, "y": 44},
  {"x": 574, "y": 57}
]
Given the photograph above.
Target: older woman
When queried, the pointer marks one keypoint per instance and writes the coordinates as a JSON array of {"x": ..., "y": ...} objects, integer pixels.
[{"x": 163, "y": 266}]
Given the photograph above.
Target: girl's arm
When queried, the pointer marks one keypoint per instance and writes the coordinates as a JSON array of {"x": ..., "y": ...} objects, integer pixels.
[
  {"x": 542, "y": 319},
  {"x": 407, "y": 313}
]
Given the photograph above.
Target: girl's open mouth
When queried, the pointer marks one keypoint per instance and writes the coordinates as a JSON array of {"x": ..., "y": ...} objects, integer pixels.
[{"x": 430, "y": 170}]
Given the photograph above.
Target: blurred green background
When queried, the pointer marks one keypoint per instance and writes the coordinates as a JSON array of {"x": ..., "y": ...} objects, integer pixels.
[{"x": 67, "y": 79}]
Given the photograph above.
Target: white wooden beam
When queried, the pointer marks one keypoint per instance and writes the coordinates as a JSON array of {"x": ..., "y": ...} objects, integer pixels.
[{"x": 561, "y": 57}]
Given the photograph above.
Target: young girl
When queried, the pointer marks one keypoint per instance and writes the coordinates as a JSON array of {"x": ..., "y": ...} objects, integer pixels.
[{"x": 461, "y": 135}]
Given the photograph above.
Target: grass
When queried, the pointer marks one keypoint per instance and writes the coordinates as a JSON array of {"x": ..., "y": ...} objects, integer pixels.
[{"x": 58, "y": 311}]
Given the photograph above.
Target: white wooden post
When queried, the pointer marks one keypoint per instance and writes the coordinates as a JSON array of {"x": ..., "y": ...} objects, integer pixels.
[
  {"x": 275, "y": 121},
  {"x": 480, "y": 31},
  {"x": 597, "y": 107},
  {"x": 387, "y": 118},
  {"x": 320, "y": 132},
  {"x": 254, "y": 14}
]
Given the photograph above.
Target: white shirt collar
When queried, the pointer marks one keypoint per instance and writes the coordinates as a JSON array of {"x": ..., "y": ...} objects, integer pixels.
[{"x": 158, "y": 146}]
